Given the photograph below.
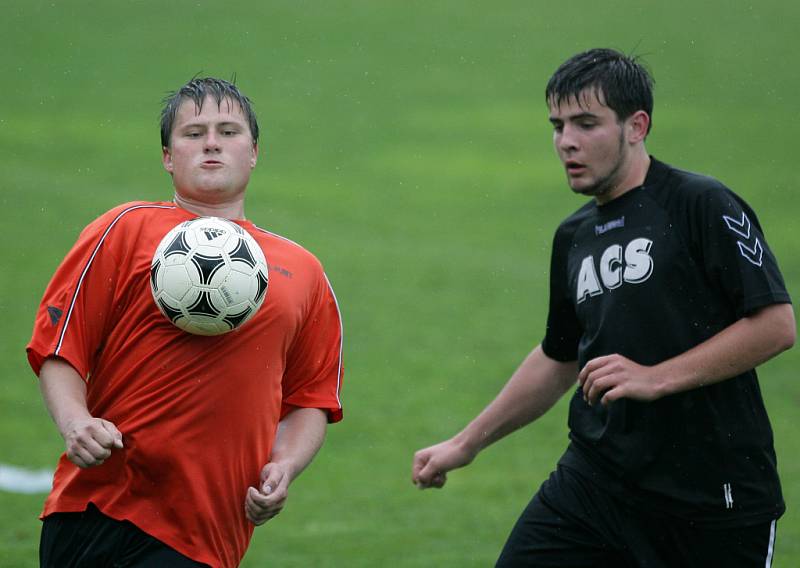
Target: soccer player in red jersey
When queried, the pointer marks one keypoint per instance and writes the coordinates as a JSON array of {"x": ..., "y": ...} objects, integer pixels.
[
  {"x": 664, "y": 297},
  {"x": 178, "y": 444}
]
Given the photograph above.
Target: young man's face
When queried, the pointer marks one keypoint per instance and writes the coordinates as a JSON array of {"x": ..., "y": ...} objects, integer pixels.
[
  {"x": 211, "y": 153},
  {"x": 590, "y": 141}
]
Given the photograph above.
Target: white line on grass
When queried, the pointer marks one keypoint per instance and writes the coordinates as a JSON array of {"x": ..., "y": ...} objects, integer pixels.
[{"x": 20, "y": 480}]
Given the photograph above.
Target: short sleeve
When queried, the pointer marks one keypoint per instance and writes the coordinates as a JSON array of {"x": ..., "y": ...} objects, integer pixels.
[
  {"x": 735, "y": 254},
  {"x": 77, "y": 304},
  {"x": 314, "y": 370},
  {"x": 563, "y": 328}
]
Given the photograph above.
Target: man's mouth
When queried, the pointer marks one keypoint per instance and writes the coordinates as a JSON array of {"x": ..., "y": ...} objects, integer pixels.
[{"x": 574, "y": 167}]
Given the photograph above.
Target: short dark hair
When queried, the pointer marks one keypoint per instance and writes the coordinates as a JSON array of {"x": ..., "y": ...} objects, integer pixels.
[
  {"x": 625, "y": 85},
  {"x": 197, "y": 90}
]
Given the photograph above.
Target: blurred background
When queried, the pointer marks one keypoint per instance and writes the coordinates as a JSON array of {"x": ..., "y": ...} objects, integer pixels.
[{"x": 407, "y": 145}]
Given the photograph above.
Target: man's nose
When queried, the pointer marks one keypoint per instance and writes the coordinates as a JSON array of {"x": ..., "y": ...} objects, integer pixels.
[
  {"x": 567, "y": 140},
  {"x": 211, "y": 142}
]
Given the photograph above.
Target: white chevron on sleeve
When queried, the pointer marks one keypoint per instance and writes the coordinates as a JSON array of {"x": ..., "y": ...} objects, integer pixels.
[
  {"x": 753, "y": 254},
  {"x": 741, "y": 227}
]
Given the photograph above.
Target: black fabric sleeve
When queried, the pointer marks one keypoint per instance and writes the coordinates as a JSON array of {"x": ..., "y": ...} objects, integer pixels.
[
  {"x": 735, "y": 255},
  {"x": 563, "y": 329}
]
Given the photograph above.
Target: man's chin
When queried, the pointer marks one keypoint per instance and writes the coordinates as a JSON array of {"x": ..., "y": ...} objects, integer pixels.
[
  {"x": 208, "y": 193},
  {"x": 581, "y": 186}
]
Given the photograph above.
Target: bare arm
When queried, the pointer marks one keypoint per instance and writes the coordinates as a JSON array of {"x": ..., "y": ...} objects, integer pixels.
[
  {"x": 531, "y": 391},
  {"x": 88, "y": 440},
  {"x": 739, "y": 347},
  {"x": 299, "y": 438}
]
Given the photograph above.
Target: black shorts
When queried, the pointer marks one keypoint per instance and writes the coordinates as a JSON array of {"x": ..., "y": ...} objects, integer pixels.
[
  {"x": 573, "y": 522},
  {"x": 91, "y": 539}
]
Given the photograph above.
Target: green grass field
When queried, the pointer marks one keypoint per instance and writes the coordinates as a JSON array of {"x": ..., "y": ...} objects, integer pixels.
[{"x": 407, "y": 145}]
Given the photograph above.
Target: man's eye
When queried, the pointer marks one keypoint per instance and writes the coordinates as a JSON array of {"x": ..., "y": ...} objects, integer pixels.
[
  {"x": 588, "y": 125},
  {"x": 192, "y": 134},
  {"x": 229, "y": 132}
]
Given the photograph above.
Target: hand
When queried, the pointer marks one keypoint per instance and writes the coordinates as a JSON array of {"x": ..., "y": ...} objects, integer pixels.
[
  {"x": 89, "y": 441},
  {"x": 262, "y": 504},
  {"x": 613, "y": 377},
  {"x": 431, "y": 464}
]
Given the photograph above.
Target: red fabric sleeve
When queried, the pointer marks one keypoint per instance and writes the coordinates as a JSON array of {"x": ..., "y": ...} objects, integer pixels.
[
  {"x": 314, "y": 370},
  {"x": 77, "y": 303}
]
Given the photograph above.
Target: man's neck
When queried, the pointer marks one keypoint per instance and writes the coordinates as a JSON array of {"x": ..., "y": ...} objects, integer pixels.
[
  {"x": 635, "y": 176},
  {"x": 228, "y": 210}
]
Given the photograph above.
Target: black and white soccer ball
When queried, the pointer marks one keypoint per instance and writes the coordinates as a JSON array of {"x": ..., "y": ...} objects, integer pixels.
[{"x": 208, "y": 276}]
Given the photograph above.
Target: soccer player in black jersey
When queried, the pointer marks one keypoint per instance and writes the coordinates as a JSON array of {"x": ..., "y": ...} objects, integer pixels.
[{"x": 664, "y": 297}]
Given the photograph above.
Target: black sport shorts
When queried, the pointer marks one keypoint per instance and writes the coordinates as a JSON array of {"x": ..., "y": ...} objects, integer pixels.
[
  {"x": 571, "y": 522},
  {"x": 92, "y": 540}
]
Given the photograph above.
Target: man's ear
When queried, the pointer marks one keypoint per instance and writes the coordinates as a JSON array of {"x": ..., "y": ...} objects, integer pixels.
[
  {"x": 166, "y": 158},
  {"x": 637, "y": 125},
  {"x": 254, "y": 156}
]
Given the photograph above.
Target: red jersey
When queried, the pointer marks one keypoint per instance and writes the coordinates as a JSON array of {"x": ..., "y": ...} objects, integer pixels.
[{"x": 198, "y": 414}]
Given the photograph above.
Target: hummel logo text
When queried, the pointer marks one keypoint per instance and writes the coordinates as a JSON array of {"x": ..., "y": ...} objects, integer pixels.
[{"x": 606, "y": 227}]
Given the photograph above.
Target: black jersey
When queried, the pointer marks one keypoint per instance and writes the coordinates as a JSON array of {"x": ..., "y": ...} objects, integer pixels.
[{"x": 650, "y": 275}]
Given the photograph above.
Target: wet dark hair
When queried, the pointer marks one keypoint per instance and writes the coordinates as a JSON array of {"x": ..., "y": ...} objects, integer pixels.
[
  {"x": 197, "y": 90},
  {"x": 619, "y": 80}
]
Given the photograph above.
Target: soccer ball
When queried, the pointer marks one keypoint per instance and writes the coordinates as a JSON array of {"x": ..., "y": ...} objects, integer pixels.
[{"x": 208, "y": 276}]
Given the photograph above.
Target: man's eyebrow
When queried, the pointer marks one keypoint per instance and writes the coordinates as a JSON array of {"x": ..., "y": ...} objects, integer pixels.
[
  {"x": 192, "y": 125},
  {"x": 201, "y": 124},
  {"x": 578, "y": 116}
]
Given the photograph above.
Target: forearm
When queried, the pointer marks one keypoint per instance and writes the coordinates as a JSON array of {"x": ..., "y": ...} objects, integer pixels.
[
  {"x": 64, "y": 393},
  {"x": 741, "y": 346},
  {"x": 89, "y": 440},
  {"x": 299, "y": 438},
  {"x": 533, "y": 389}
]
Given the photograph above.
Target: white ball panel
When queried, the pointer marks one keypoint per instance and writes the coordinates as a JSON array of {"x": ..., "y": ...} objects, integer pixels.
[
  {"x": 175, "y": 281},
  {"x": 236, "y": 288}
]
